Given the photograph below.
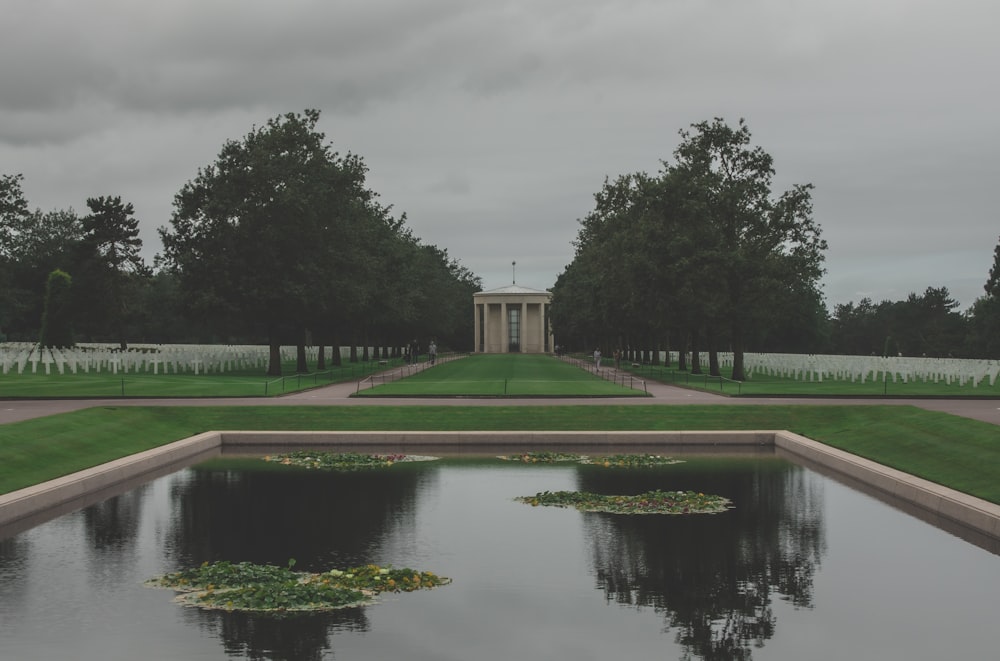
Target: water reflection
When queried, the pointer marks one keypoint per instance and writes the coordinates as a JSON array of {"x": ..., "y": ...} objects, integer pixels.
[
  {"x": 712, "y": 577},
  {"x": 112, "y": 525},
  {"x": 305, "y": 638},
  {"x": 528, "y": 582},
  {"x": 238, "y": 511},
  {"x": 320, "y": 519}
]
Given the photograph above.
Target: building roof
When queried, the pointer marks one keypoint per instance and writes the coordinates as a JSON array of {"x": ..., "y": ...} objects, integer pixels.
[{"x": 513, "y": 289}]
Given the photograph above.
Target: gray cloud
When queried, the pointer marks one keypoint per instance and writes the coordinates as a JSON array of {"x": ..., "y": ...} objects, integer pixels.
[{"x": 492, "y": 124}]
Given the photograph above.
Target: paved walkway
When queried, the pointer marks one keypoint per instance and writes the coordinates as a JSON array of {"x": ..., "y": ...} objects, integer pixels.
[{"x": 986, "y": 410}]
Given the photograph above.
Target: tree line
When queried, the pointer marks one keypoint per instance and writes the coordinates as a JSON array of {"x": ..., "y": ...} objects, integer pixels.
[
  {"x": 279, "y": 240},
  {"x": 704, "y": 256}
]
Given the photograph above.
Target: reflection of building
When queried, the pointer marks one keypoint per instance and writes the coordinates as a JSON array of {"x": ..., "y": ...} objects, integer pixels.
[{"x": 513, "y": 319}]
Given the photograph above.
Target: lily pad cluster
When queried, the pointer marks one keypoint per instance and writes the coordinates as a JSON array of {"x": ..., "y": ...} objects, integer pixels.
[
  {"x": 608, "y": 461},
  {"x": 650, "y": 502},
  {"x": 276, "y": 590},
  {"x": 342, "y": 461},
  {"x": 631, "y": 461},
  {"x": 541, "y": 457}
]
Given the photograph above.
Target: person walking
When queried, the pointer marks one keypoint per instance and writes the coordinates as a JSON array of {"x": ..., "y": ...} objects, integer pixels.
[
  {"x": 597, "y": 358},
  {"x": 432, "y": 351}
]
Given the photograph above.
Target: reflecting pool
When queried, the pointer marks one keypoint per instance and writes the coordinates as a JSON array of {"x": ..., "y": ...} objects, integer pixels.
[{"x": 803, "y": 567}]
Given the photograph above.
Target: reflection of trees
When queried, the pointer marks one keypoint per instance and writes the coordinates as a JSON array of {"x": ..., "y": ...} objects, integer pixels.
[
  {"x": 322, "y": 519},
  {"x": 713, "y": 576},
  {"x": 303, "y": 637},
  {"x": 112, "y": 528},
  {"x": 112, "y": 524}
]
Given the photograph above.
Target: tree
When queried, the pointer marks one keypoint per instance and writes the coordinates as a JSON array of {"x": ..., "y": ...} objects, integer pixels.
[
  {"x": 992, "y": 286},
  {"x": 57, "y": 329},
  {"x": 265, "y": 236},
  {"x": 111, "y": 252},
  {"x": 984, "y": 315},
  {"x": 43, "y": 242},
  {"x": 761, "y": 243},
  {"x": 13, "y": 211}
]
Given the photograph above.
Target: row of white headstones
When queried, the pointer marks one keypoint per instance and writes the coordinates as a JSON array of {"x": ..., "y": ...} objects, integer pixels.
[
  {"x": 819, "y": 367},
  {"x": 20, "y": 357},
  {"x": 26, "y": 357}
]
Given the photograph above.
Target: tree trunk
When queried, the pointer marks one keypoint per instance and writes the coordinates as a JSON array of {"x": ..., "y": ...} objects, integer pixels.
[
  {"x": 301, "y": 365},
  {"x": 335, "y": 358},
  {"x": 696, "y": 353},
  {"x": 682, "y": 362},
  {"x": 354, "y": 353},
  {"x": 274, "y": 355},
  {"x": 321, "y": 358},
  {"x": 713, "y": 355},
  {"x": 738, "y": 374}
]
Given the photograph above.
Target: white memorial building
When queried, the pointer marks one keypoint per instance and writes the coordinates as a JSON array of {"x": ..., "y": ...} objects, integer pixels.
[{"x": 513, "y": 319}]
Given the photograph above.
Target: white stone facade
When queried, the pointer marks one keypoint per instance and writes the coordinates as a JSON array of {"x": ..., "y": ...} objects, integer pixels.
[{"x": 513, "y": 319}]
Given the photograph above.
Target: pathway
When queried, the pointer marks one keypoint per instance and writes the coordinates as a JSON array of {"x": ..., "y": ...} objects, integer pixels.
[{"x": 339, "y": 394}]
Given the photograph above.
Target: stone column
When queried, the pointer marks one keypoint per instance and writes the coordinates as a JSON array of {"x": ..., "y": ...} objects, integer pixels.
[
  {"x": 523, "y": 327},
  {"x": 504, "y": 329},
  {"x": 475, "y": 328},
  {"x": 486, "y": 327}
]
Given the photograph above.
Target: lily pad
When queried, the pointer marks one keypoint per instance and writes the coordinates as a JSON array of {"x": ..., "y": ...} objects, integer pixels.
[
  {"x": 342, "y": 461},
  {"x": 650, "y": 502},
  {"x": 632, "y": 461},
  {"x": 275, "y": 590},
  {"x": 541, "y": 457}
]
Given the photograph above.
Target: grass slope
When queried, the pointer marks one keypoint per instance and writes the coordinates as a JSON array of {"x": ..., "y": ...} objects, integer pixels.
[{"x": 961, "y": 453}]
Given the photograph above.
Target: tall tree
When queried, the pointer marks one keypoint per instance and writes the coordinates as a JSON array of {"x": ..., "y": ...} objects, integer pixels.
[
  {"x": 764, "y": 242},
  {"x": 984, "y": 315},
  {"x": 262, "y": 236},
  {"x": 112, "y": 246},
  {"x": 13, "y": 210}
]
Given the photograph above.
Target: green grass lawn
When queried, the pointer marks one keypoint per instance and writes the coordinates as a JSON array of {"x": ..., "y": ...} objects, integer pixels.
[
  {"x": 236, "y": 383},
  {"x": 766, "y": 385},
  {"x": 961, "y": 453},
  {"x": 498, "y": 375}
]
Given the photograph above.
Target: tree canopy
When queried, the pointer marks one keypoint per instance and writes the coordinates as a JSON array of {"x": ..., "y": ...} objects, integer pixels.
[
  {"x": 282, "y": 233},
  {"x": 704, "y": 252}
]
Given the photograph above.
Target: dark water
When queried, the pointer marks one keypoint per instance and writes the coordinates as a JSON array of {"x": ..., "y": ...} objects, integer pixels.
[{"x": 802, "y": 568}]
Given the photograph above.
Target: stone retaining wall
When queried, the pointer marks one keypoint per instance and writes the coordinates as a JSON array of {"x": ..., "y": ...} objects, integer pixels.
[{"x": 28, "y": 507}]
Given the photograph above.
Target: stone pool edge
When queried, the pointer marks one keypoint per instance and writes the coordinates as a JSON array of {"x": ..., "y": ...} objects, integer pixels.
[{"x": 55, "y": 495}]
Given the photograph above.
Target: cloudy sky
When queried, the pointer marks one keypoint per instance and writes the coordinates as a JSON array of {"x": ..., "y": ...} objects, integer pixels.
[{"x": 492, "y": 124}]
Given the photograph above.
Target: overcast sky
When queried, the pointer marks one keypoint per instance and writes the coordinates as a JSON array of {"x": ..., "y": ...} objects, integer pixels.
[{"x": 492, "y": 124}]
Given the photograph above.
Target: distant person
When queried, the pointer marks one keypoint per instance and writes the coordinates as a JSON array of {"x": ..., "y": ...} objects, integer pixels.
[
  {"x": 597, "y": 357},
  {"x": 432, "y": 351}
]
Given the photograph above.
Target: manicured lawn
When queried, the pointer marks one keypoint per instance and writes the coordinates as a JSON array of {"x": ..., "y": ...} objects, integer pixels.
[
  {"x": 498, "y": 375},
  {"x": 961, "y": 453},
  {"x": 237, "y": 383}
]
